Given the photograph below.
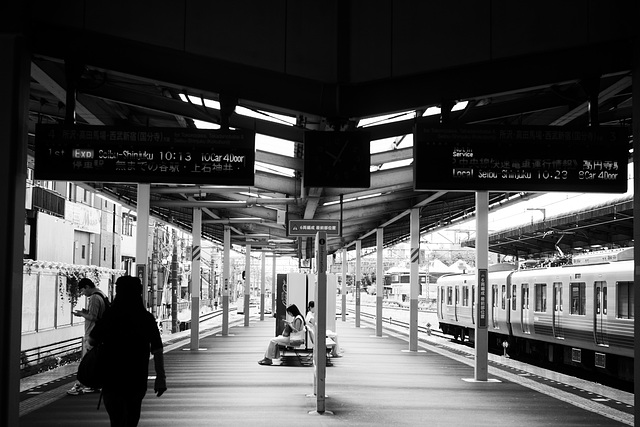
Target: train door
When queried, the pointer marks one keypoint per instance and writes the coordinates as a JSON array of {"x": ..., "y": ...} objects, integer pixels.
[
  {"x": 558, "y": 332},
  {"x": 600, "y": 317},
  {"x": 524, "y": 313},
  {"x": 494, "y": 306}
]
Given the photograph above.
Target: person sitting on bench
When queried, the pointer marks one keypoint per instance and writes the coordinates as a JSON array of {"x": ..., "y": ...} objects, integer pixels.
[{"x": 291, "y": 330}]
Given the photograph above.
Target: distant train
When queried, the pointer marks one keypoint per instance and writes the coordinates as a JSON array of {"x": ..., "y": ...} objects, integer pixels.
[{"x": 580, "y": 314}]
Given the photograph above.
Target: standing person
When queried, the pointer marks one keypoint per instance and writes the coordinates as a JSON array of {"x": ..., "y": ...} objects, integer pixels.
[
  {"x": 96, "y": 307},
  {"x": 297, "y": 325},
  {"x": 129, "y": 334}
]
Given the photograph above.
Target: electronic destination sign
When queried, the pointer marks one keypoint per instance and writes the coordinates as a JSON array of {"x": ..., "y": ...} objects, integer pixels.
[
  {"x": 521, "y": 159},
  {"x": 141, "y": 155}
]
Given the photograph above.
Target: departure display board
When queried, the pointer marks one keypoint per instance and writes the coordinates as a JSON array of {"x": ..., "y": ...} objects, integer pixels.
[
  {"x": 521, "y": 159},
  {"x": 141, "y": 155}
]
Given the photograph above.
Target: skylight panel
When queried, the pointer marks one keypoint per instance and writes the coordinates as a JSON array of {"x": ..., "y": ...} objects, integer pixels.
[{"x": 387, "y": 118}]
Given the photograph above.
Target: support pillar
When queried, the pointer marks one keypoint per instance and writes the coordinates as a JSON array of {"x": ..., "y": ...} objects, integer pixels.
[
  {"x": 343, "y": 291},
  {"x": 414, "y": 278},
  {"x": 142, "y": 238},
  {"x": 196, "y": 252},
  {"x": 379, "y": 280},
  {"x": 358, "y": 280},
  {"x": 14, "y": 85},
  {"x": 482, "y": 268},
  {"x": 247, "y": 285},
  {"x": 263, "y": 278},
  {"x": 225, "y": 280}
]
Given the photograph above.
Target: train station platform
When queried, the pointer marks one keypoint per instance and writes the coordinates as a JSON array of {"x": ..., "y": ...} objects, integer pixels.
[{"x": 375, "y": 381}]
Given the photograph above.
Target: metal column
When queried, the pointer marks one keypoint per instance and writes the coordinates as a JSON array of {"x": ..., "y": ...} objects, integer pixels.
[
  {"x": 247, "y": 285},
  {"x": 142, "y": 237},
  {"x": 226, "y": 268},
  {"x": 358, "y": 281},
  {"x": 196, "y": 252},
  {"x": 14, "y": 104},
  {"x": 379, "y": 280},
  {"x": 263, "y": 278},
  {"x": 415, "y": 280},
  {"x": 482, "y": 266},
  {"x": 343, "y": 291}
]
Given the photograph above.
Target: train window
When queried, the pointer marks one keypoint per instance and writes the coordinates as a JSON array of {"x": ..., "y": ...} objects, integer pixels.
[
  {"x": 625, "y": 300},
  {"x": 541, "y": 297},
  {"x": 525, "y": 296},
  {"x": 457, "y": 295},
  {"x": 449, "y": 295},
  {"x": 494, "y": 295},
  {"x": 513, "y": 297},
  {"x": 395, "y": 278},
  {"x": 601, "y": 297},
  {"x": 578, "y": 298},
  {"x": 405, "y": 278},
  {"x": 465, "y": 296},
  {"x": 557, "y": 286},
  {"x": 504, "y": 297}
]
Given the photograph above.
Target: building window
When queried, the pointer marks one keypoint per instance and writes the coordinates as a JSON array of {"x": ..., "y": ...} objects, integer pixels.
[
  {"x": 625, "y": 300},
  {"x": 578, "y": 298},
  {"x": 541, "y": 297}
]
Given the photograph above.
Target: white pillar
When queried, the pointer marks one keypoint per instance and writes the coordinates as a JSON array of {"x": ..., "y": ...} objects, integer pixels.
[
  {"x": 482, "y": 291},
  {"x": 379, "y": 280},
  {"x": 320, "y": 354},
  {"x": 343, "y": 291},
  {"x": 247, "y": 285},
  {"x": 415, "y": 280},
  {"x": 196, "y": 252},
  {"x": 358, "y": 281},
  {"x": 263, "y": 278},
  {"x": 142, "y": 237},
  {"x": 226, "y": 268}
]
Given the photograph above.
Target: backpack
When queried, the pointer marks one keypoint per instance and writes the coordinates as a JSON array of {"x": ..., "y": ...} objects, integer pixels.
[
  {"x": 91, "y": 372},
  {"x": 107, "y": 303}
]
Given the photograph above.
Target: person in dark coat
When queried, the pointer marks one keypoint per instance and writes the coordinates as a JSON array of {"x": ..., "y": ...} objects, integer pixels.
[{"x": 129, "y": 334}]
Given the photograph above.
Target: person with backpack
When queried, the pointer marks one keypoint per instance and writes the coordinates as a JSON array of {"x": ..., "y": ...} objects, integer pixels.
[
  {"x": 96, "y": 307},
  {"x": 129, "y": 335}
]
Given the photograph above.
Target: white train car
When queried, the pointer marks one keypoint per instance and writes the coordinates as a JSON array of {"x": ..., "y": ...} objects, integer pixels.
[{"x": 580, "y": 314}]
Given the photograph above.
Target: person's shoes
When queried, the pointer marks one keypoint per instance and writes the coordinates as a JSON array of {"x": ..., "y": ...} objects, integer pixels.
[
  {"x": 91, "y": 390},
  {"x": 76, "y": 390},
  {"x": 265, "y": 361}
]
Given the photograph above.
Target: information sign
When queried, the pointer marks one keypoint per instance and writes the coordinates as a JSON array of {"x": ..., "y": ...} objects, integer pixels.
[
  {"x": 483, "y": 277},
  {"x": 521, "y": 159},
  {"x": 159, "y": 155},
  {"x": 309, "y": 227}
]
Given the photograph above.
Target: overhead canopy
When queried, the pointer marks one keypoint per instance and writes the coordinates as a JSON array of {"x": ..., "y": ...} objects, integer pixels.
[{"x": 283, "y": 68}]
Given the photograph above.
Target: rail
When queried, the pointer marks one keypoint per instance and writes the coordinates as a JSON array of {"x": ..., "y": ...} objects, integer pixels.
[
  {"x": 49, "y": 356},
  {"x": 393, "y": 322}
]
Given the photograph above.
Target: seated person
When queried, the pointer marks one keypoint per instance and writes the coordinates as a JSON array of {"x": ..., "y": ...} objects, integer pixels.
[
  {"x": 297, "y": 326},
  {"x": 311, "y": 325}
]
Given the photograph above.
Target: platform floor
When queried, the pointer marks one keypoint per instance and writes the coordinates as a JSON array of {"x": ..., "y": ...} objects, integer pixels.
[{"x": 375, "y": 381}]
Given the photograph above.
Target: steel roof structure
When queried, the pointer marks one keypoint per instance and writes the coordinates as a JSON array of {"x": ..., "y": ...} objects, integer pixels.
[{"x": 328, "y": 66}]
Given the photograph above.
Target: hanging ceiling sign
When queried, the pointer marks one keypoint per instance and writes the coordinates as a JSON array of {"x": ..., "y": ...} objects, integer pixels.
[
  {"x": 309, "y": 227},
  {"x": 158, "y": 155},
  {"x": 521, "y": 159}
]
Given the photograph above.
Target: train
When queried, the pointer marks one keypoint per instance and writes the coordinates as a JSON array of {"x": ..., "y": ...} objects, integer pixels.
[{"x": 579, "y": 315}]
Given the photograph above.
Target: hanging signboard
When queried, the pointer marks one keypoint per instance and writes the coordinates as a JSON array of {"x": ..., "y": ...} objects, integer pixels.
[
  {"x": 158, "y": 155},
  {"x": 309, "y": 227},
  {"x": 521, "y": 159}
]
